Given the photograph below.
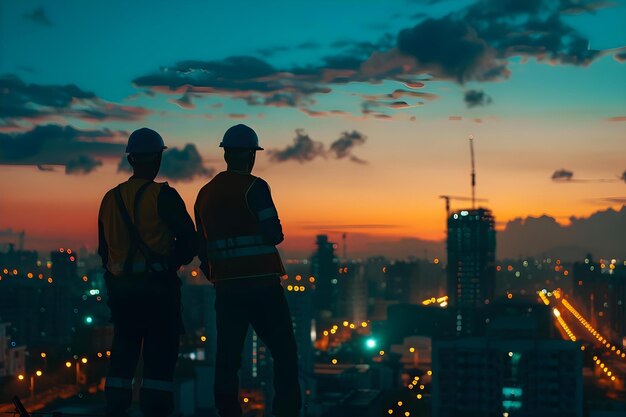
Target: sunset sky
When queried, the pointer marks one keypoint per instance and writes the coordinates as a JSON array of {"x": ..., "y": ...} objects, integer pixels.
[{"x": 364, "y": 108}]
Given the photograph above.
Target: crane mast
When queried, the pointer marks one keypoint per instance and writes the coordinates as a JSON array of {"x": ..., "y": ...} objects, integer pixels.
[{"x": 471, "y": 141}]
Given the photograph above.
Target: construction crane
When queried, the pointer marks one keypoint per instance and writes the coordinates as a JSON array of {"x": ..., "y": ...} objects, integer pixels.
[
  {"x": 453, "y": 197},
  {"x": 471, "y": 141}
]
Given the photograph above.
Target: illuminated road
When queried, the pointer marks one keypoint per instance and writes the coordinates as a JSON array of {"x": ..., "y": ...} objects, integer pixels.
[{"x": 609, "y": 359}]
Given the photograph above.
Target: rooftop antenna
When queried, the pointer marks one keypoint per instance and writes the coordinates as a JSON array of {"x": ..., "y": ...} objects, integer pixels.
[{"x": 471, "y": 141}]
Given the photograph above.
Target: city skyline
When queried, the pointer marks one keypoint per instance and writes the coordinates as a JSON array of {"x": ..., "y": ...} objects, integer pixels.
[{"x": 376, "y": 144}]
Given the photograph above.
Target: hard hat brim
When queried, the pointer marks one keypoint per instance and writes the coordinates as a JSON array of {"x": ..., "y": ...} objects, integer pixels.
[
  {"x": 258, "y": 148},
  {"x": 153, "y": 151}
]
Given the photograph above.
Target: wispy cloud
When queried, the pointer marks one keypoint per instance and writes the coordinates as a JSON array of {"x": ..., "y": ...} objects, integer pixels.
[
  {"x": 566, "y": 176},
  {"x": 475, "y": 98},
  {"x": 303, "y": 149},
  {"x": 38, "y": 16}
]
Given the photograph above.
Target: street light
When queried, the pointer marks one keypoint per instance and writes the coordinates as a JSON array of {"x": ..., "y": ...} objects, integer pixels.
[
  {"x": 31, "y": 387},
  {"x": 370, "y": 343}
]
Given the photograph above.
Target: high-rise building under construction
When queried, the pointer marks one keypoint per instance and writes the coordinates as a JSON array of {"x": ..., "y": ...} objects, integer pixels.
[{"x": 471, "y": 247}]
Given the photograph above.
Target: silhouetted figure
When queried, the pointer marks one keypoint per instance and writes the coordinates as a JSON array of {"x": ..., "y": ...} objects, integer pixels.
[
  {"x": 238, "y": 229},
  {"x": 145, "y": 235}
]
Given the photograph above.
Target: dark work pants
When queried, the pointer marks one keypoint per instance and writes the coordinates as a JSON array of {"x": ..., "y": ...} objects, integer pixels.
[
  {"x": 265, "y": 308},
  {"x": 145, "y": 312}
]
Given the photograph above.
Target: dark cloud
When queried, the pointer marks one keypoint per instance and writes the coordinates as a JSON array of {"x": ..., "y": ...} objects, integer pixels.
[
  {"x": 623, "y": 177},
  {"x": 83, "y": 164},
  {"x": 38, "y": 16},
  {"x": 473, "y": 43},
  {"x": 242, "y": 77},
  {"x": 450, "y": 48},
  {"x": 178, "y": 164},
  {"x": 475, "y": 98},
  {"x": 620, "y": 57},
  {"x": 304, "y": 149},
  {"x": 562, "y": 174},
  {"x": 35, "y": 102},
  {"x": 60, "y": 145},
  {"x": 342, "y": 147},
  {"x": 235, "y": 74},
  {"x": 544, "y": 236}
]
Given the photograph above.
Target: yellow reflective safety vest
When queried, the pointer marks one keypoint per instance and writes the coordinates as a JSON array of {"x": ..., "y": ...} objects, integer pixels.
[
  {"x": 235, "y": 247},
  {"x": 152, "y": 229}
]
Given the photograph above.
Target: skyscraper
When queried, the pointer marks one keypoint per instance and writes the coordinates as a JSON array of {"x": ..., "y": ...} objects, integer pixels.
[
  {"x": 502, "y": 377},
  {"x": 471, "y": 248},
  {"x": 324, "y": 267}
]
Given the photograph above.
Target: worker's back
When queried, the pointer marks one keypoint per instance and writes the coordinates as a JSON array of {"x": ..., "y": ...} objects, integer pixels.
[
  {"x": 145, "y": 214},
  {"x": 234, "y": 244},
  {"x": 223, "y": 201}
]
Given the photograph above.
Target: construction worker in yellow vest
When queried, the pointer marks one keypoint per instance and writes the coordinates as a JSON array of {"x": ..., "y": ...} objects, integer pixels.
[
  {"x": 238, "y": 229},
  {"x": 145, "y": 235}
]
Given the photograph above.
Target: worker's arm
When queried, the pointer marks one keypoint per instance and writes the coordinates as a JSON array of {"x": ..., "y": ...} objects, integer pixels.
[
  {"x": 201, "y": 239},
  {"x": 260, "y": 202},
  {"x": 172, "y": 210}
]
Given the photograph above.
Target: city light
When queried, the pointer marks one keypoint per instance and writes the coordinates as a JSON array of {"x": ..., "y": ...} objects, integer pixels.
[
  {"x": 20, "y": 377},
  {"x": 370, "y": 343},
  {"x": 68, "y": 364},
  {"x": 38, "y": 373},
  {"x": 84, "y": 360}
]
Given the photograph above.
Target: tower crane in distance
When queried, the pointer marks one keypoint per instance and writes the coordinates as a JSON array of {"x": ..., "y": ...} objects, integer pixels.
[{"x": 453, "y": 197}]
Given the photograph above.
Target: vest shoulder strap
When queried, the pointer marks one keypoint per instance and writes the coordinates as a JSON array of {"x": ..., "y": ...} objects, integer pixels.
[{"x": 136, "y": 242}]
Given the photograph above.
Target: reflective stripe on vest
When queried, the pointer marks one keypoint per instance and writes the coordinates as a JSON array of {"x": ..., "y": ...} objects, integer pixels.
[
  {"x": 115, "y": 382},
  {"x": 235, "y": 242},
  {"x": 268, "y": 213},
  {"x": 243, "y": 251},
  {"x": 158, "y": 385},
  {"x": 137, "y": 267}
]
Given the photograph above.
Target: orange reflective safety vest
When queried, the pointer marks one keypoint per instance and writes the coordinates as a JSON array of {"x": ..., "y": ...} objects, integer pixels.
[
  {"x": 151, "y": 227},
  {"x": 234, "y": 245}
]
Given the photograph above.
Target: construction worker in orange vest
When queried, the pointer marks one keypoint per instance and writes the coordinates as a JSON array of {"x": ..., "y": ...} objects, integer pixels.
[
  {"x": 145, "y": 235},
  {"x": 238, "y": 230}
]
